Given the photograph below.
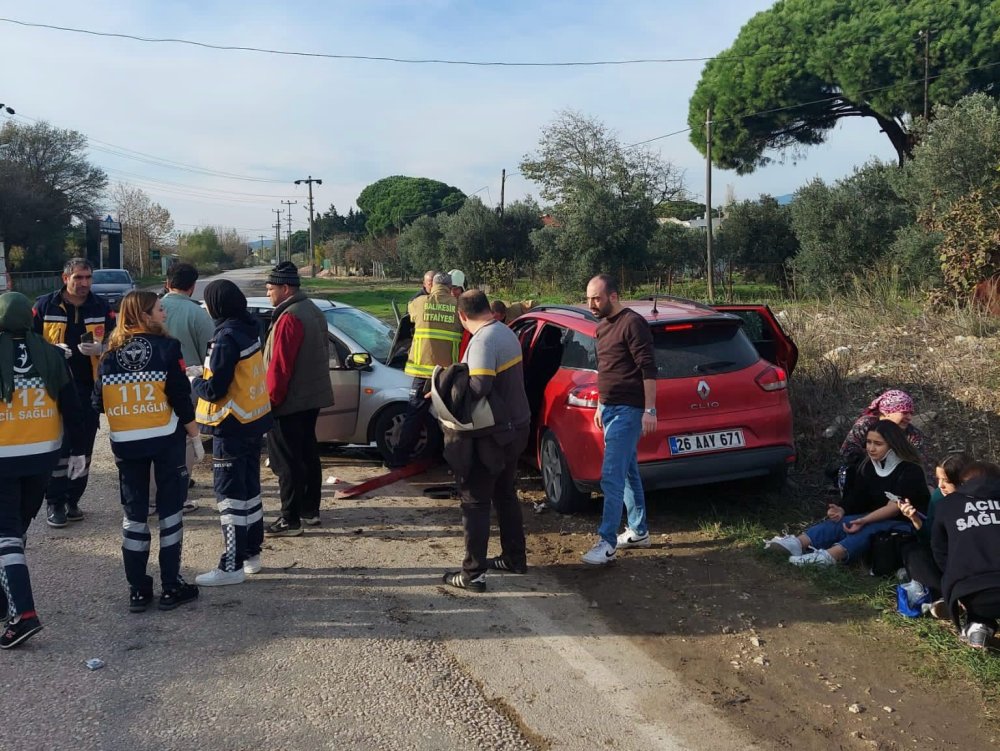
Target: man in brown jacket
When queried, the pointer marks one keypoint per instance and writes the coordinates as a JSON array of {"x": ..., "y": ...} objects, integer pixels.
[{"x": 297, "y": 358}]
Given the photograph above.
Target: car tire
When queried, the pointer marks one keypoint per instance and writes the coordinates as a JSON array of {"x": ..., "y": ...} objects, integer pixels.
[
  {"x": 386, "y": 430},
  {"x": 560, "y": 490}
]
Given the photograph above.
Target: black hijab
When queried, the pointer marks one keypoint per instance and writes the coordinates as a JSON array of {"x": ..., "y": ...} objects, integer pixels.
[{"x": 225, "y": 301}]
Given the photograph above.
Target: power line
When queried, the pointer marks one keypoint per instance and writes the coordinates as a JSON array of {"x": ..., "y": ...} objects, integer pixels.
[{"x": 378, "y": 58}]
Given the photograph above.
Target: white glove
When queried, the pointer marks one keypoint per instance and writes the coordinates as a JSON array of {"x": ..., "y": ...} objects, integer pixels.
[
  {"x": 199, "y": 448},
  {"x": 194, "y": 371},
  {"x": 91, "y": 349},
  {"x": 76, "y": 466},
  {"x": 67, "y": 350}
]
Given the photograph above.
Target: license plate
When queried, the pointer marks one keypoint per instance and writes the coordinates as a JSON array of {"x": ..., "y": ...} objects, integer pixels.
[{"x": 719, "y": 440}]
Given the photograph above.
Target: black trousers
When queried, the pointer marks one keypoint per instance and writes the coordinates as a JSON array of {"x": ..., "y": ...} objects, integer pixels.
[
  {"x": 982, "y": 607},
  {"x": 20, "y": 499},
  {"x": 413, "y": 420},
  {"x": 294, "y": 455},
  {"x": 62, "y": 491},
  {"x": 236, "y": 480},
  {"x": 171, "y": 475},
  {"x": 920, "y": 565},
  {"x": 491, "y": 481}
]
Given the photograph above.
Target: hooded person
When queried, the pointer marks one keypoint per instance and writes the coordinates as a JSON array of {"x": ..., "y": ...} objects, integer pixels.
[
  {"x": 38, "y": 401},
  {"x": 233, "y": 408}
]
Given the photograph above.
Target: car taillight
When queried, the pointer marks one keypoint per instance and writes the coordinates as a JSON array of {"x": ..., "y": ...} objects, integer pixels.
[
  {"x": 772, "y": 379},
  {"x": 583, "y": 396}
]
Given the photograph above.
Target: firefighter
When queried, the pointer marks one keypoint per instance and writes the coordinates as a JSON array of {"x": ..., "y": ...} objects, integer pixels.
[
  {"x": 437, "y": 333},
  {"x": 144, "y": 392},
  {"x": 234, "y": 407},
  {"x": 37, "y": 399},
  {"x": 78, "y": 322}
]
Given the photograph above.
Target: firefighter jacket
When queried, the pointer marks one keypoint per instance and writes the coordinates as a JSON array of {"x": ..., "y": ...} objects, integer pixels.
[
  {"x": 437, "y": 332},
  {"x": 144, "y": 394},
  {"x": 31, "y": 425},
  {"x": 62, "y": 323},
  {"x": 232, "y": 394}
]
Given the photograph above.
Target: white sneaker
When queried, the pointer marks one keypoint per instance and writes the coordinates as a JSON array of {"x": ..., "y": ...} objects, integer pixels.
[
  {"x": 312, "y": 521},
  {"x": 629, "y": 539},
  {"x": 600, "y": 554},
  {"x": 252, "y": 565},
  {"x": 815, "y": 558},
  {"x": 219, "y": 578},
  {"x": 784, "y": 543}
]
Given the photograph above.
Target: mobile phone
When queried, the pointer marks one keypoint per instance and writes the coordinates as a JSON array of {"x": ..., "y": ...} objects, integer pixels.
[
  {"x": 87, "y": 337},
  {"x": 893, "y": 497}
]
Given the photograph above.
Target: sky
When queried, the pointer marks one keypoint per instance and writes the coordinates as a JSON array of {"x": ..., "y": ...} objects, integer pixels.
[{"x": 158, "y": 116}]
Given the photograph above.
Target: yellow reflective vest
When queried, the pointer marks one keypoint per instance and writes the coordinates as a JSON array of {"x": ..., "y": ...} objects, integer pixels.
[
  {"x": 437, "y": 332},
  {"x": 31, "y": 423},
  {"x": 247, "y": 399}
]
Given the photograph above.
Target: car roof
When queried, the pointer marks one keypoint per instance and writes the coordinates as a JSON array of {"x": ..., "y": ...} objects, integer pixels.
[{"x": 665, "y": 310}]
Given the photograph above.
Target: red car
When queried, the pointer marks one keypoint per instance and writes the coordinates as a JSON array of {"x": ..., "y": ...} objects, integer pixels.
[{"x": 721, "y": 398}]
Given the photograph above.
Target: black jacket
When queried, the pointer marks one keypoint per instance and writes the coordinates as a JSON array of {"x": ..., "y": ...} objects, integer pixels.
[
  {"x": 867, "y": 490},
  {"x": 965, "y": 539},
  {"x": 463, "y": 449}
]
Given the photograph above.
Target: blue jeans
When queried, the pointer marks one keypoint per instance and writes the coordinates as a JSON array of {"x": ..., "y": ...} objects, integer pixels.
[
  {"x": 620, "y": 481},
  {"x": 826, "y": 534}
]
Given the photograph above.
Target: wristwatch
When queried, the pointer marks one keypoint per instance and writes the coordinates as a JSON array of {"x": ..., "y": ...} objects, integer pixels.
[{"x": 651, "y": 411}]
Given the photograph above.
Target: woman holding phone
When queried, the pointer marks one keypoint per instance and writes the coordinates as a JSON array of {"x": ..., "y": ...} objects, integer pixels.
[{"x": 890, "y": 472}]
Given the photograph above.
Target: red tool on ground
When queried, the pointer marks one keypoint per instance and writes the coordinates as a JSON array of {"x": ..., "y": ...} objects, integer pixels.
[{"x": 410, "y": 470}]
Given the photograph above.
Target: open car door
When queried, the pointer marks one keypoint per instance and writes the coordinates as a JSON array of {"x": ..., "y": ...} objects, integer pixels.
[
  {"x": 401, "y": 342},
  {"x": 766, "y": 334}
]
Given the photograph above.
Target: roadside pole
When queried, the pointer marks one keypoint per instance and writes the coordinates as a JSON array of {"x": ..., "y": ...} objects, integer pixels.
[{"x": 312, "y": 247}]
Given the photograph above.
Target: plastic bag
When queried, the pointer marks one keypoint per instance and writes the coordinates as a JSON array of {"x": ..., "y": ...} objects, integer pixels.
[{"x": 910, "y": 597}]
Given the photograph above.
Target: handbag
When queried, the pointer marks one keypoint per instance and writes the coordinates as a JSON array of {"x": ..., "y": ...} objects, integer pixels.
[{"x": 885, "y": 555}]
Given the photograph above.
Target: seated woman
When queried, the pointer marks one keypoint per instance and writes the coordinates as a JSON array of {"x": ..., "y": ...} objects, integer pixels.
[
  {"x": 916, "y": 553},
  {"x": 891, "y": 470},
  {"x": 965, "y": 541},
  {"x": 893, "y": 405}
]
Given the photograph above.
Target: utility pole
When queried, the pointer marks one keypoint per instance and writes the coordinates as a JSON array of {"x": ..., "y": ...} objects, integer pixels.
[
  {"x": 708, "y": 204},
  {"x": 926, "y": 34},
  {"x": 312, "y": 248},
  {"x": 288, "y": 239},
  {"x": 277, "y": 235},
  {"x": 503, "y": 179},
  {"x": 261, "y": 246}
]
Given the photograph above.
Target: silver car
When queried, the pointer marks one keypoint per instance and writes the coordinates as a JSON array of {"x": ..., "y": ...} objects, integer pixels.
[
  {"x": 112, "y": 285},
  {"x": 370, "y": 389}
]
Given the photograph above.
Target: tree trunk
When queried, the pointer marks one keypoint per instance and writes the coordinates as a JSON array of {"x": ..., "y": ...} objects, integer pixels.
[{"x": 900, "y": 139}]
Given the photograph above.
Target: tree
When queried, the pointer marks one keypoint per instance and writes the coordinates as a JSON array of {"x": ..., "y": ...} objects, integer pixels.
[
  {"x": 758, "y": 237},
  {"x": 421, "y": 246},
  {"x": 845, "y": 229},
  {"x": 683, "y": 209},
  {"x": 45, "y": 183},
  {"x": 472, "y": 234},
  {"x": 605, "y": 195},
  {"x": 796, "y": 70},
  {"x": 678, "y": 248},
  {"x": 144, "y": 224},
  {"x": 393, "y": 202}
]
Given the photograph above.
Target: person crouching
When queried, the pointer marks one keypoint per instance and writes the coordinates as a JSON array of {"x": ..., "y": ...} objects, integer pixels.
[
  {"x": 234, "y": 408},
  {"x": 145, "y": 395}
]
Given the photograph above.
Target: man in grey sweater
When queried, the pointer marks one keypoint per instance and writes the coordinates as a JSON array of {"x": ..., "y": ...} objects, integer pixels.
[{"x": 497, "y": 375}]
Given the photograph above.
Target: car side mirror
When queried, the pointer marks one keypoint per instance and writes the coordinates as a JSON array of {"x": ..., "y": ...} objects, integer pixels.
[{"x": 360, "y": 361}]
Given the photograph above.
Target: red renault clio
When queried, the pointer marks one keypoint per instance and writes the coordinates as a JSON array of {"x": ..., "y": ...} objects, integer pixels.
[{"x": 721, "y": 396}]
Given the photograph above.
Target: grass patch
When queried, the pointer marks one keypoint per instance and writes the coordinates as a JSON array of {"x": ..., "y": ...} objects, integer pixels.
[{"x": 375, "y": 300}]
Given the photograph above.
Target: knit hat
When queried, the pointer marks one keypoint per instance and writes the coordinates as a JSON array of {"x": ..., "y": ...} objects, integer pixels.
[
  {"x": 285, "y": 273},
  {"x": 457, "y": 278},
  {"x": 890, "y": 402}
]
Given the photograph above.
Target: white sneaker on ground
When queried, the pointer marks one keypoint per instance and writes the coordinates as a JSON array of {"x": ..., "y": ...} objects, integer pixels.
[
  {"x": 629, "y": 539},
  {"x": 311, "y": 521},
  {"x": 815, "y": 558},
  {"x": 978, "y": 635},
  {"x": 219, "y": 578},
  {"x": 600, "y": 554},
  {"x": 784, "y": 544},
  {"x": 252, "y": 564}
]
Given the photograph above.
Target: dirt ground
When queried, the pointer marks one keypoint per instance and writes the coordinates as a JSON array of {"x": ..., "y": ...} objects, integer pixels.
[{"x": 794, "y": 670}]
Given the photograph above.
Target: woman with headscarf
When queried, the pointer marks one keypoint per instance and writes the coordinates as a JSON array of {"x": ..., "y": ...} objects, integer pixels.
[
  {"x": 893, "y": 405},
  {"x": 38, "y": 402},
  {"x": 234, "y": 408},
  {"x": 145, "y": 395}
]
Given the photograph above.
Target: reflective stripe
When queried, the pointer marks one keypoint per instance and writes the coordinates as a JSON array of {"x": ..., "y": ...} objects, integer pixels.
[
  {"x": 139, "y": 546},
  {"x": 30, "y": 449},
  {"x": 171, "y": 520},
  {"x": 140, "y": 433},
  {"x": 255, "y": 516},
  {"x": 249, "y": 350},
  {"x": 131, "y": 526},
  {"x": 174, "y": 538},
  {"x": 443, "y": 334},
  {"x": 237, "y": 505},
  {"x": 234, "y": 520},
  {"x": 12, "y": 559},
  {"x": 52, "y": 317},
  {"x": 99, "y": 319},
  {"x": 7, "y": 542}
]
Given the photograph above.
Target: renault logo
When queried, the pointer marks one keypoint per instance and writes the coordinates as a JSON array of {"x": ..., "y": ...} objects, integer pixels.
[{"x": 703, "y": 389}]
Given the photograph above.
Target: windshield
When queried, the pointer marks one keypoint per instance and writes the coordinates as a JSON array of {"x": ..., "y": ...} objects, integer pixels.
[
  {"x": 111, "y": 276},
  {"x": 365, "y": 329},
  {"x": 686, "y": 350}
]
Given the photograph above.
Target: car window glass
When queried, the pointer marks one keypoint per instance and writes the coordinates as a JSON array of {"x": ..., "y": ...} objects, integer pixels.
[
  {"x": 338, "y": 353},
  {"x": 525, "y": 332},
  {"x": 364, "y": 328},
  {"x": 111, "y": 276},
  {"x": 702, "y": 349},
  {"x": 579, "y": 351}
]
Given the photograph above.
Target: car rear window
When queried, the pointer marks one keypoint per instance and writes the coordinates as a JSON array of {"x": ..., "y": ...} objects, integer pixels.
[
  {"x": 695, "y": 349},
  {"x": 104, "y": 276}
]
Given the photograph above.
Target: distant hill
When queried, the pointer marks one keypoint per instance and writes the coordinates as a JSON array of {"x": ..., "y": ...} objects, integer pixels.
[{"x": 785, "y": 199}]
